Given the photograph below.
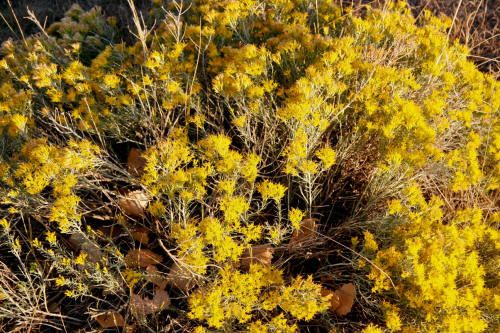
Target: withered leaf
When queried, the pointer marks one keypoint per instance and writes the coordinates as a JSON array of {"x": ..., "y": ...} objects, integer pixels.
[
  {"x": 334, "y": 299},
  {"x": 262, "y": 254},
  {"x": 141, "y": 235},
  {"x": 110, "y": 319},
  {"x": 155, "y": 277},
  {"x": 142, "y": 258},
  {"x": 79, "y": 242},
  {"x": 144, "y": 306},
  {"x": 130, "y": 328},
  {"x": 134, "y": 203},
  {"x": 51, "y": 307},
  {"x": 180, "y": 277},
  {"x": 113, "y": 231},
  {"x": 305, "y": 233},
  {"x": 347, "y": 295},
  {"x": 135, "y": 162}
]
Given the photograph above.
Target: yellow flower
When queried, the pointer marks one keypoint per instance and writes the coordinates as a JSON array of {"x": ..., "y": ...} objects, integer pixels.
[
  {"x": 227, "y": 186},
  {"x": 5, "y": 224},
  {"x": 66, "y": 262},
  {"x": 199, "y": 329},
  {"x": 394, "y": 206},
  {"x": 308, "y": 167},
  {"x": 295, "y": 216},
  {"x": 17, "y": 124},
  {"x": 111, "y": 80},
  {"x": 36, "y": 242},
  {"x": 370, "y": 242},
  {"x": 275, "y": 235},
  {"x": 371, "y": 329},
  {"x": 80, "y": 260},
  {"x": 51, "y": 237},
  {"x": 240, "y": 121},
  {"x": 233, "y": 207},
  {"x": 392, "y": 319},
  {"x": 60, "y": 281},
  {"x": 216, "y": 145},
  {"x": 250, "y": 169},
  {"x": 327, "y": 156},
  {"x": 157, "y": 208},
  {"x": 69, "y": 293},
  {"x": 270, "y": 190},
  {"x": 16, "y": 245}
]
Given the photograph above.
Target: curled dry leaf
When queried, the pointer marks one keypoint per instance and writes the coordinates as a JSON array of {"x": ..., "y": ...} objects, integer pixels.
[
  {"x": 144, "y": 306},
  {"x": 135, "y": 162},
  {"x": 110, "y": 319},
  {"x": 305, "y": 233},
  {"x": 262, "y": 254},
  {"x": 180, "y": 277},
  {"x": 155, "y": 277},
  {"x": 134, "y": 203},
  {"x": 347, "y": 295},
  {"x": 142, "y": 258}
]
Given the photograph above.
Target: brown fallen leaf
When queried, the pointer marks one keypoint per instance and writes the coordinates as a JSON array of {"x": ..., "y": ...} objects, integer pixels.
[
  {"x": 347, "y": 295},
  {"x": 142, "y": 258},
  {"x": 53, "y": 307},
  {"x": 130, "y": 328},
  {"x": 334, "y": 299},
  {"x": 155, "y": 277},
  {"x": 141, "y": 235},
  {"x": 113, "y": 231},
  {"x": 135, "y": 162},
  {"x": 134, "y": 203},
  {"x": 181, "y": 278},
  {"x": 305, "y": 233},
  {"x": 144, "y": 306},
  {"x": 262, "y": 254},
  {"x": 110, "y": 319},
  {"x": 79, "y": 242}
]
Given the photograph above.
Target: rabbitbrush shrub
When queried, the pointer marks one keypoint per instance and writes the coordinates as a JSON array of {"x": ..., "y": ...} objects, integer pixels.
[{"x": 187, "y": 182}]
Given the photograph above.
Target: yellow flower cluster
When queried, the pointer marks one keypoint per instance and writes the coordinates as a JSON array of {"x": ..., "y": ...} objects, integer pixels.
[
  {"x": 40, "y": 164},
  {"x": 236, "y": 296},
  {"x": 439, "y": 266},
  {"x": 231, "y": 100}
]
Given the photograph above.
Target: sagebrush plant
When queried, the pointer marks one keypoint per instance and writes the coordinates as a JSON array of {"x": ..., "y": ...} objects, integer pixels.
[{"x": 241, "y": 110}]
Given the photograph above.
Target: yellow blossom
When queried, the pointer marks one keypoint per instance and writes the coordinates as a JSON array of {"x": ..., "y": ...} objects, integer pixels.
[{"x": 270, "y": 190}]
